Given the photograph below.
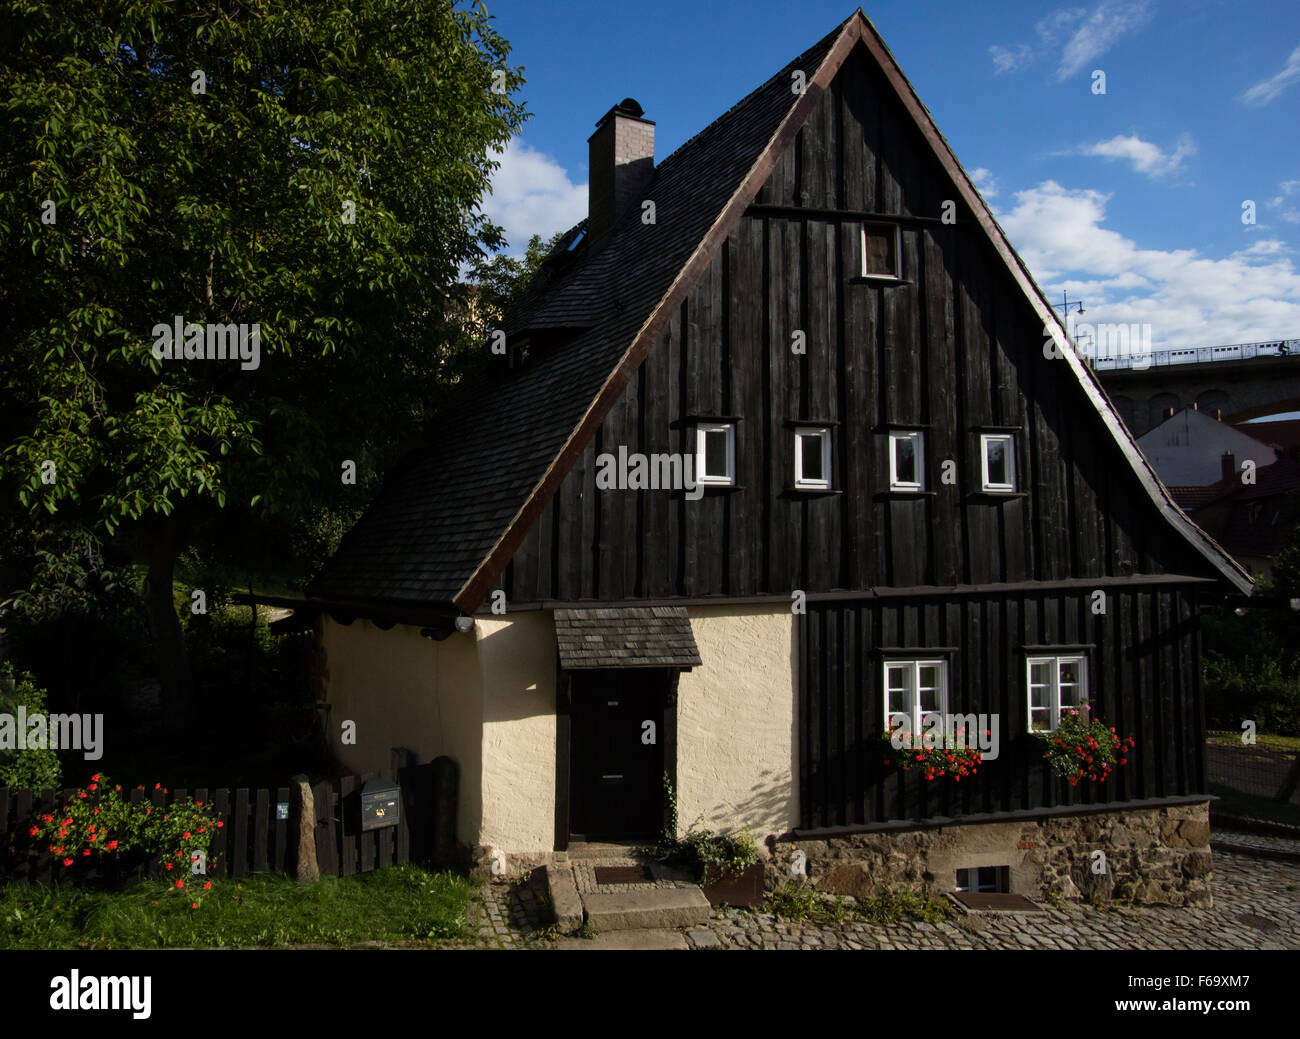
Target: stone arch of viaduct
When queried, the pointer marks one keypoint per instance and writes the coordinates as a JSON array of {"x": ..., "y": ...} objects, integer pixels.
[{"x": 1235, "y": 391}]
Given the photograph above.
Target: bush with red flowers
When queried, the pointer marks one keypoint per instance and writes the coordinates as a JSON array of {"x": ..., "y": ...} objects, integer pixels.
[
  {"x": 1084, "y": 749},
  {"x": 98, "y": 821},
  {"x": 932, "y": 755}
]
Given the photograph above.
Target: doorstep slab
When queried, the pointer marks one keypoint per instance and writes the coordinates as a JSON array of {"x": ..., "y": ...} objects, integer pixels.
[
  {"x": 646, "y": 939},
  {"x": 563, "y": 893},
  {"x": 648, "y": 907}
]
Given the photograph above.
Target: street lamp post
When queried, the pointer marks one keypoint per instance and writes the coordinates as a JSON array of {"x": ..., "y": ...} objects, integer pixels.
[{"x": 1065, "y": 305}]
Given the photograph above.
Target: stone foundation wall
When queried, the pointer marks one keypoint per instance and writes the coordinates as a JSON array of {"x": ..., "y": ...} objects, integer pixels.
[{"x": 1156, "y": 856}]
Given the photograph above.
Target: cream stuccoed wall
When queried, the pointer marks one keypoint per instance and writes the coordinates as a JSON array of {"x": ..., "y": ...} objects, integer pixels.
[
  {"x": 486, "y": 699},
  {"x": 737, "y": 721},
  {"x": 404, "y": 690},
  {"x": 517, "y": 656}
]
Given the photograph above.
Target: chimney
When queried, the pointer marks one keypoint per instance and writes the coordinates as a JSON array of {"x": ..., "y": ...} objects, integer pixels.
[
  {"x": 1229, "y": 466},
  {"x": 621, "y": 161}
]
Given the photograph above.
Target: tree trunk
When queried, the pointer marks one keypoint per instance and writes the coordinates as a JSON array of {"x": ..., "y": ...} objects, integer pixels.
[{"x": 165, "y": 630}]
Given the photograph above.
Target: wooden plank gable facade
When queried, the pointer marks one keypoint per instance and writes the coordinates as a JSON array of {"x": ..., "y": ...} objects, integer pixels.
[{"x": 953, "y": 349}]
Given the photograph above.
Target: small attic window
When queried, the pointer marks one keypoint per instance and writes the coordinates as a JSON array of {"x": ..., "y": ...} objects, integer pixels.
[
  {"x": 577, "y": 240},
  {"x": 880, "y": 251}
]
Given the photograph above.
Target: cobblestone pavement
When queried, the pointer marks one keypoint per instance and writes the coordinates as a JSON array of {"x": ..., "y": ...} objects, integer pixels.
[
  {"x": 1256, "y": 905},
  {"x": 511, "y": 915},
  {"x": 1231, "y": 840}
]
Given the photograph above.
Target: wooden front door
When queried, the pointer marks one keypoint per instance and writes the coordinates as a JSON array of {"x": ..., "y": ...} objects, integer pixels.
[{"x": 616, "y": 763}]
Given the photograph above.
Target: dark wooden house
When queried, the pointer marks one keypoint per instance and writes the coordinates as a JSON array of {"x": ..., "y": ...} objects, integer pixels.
[{"x": 874, "y": 483}]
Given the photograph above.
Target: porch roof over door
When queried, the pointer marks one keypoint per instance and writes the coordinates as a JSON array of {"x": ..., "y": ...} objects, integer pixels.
[{"x": 649, "y": 636}]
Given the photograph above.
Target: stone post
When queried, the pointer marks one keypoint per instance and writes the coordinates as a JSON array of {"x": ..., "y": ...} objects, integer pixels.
[{"x": 307, "y": 869}]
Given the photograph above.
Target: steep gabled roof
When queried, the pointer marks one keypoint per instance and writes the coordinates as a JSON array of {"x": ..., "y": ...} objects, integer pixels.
[{"x": 444, "y": 528}]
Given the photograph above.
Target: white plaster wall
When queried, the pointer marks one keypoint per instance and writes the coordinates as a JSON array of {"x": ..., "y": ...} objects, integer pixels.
[
  {"x": 517, "y": 657},
  {"x": 737, "y": 721},
  {"x": 1185, "y": 450},
  {"x": 404, "y": 690}
]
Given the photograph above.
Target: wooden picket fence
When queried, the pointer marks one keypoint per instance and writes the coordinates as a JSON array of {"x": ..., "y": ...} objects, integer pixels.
[{"x": 261, "y": 831}]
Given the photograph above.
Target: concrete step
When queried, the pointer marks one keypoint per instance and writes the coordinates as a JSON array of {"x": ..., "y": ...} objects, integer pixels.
[
  {"x": 601, "y": 851},
  {"x": 649, "y": 939},
  {"x": 563, "y": 893},
  {"x": 646, "y": 908}
]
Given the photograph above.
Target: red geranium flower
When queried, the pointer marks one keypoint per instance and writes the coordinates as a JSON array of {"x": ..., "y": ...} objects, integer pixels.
[
  {"x": 33, "y": 831},
  {"x": 180, "y": 883},
  {"x": 207, "y": 886},
  {"x": 67, "y": 862}
]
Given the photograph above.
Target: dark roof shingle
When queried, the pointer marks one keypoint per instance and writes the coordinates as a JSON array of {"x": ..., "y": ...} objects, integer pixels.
[
  {"x": 438, "y": 517},
  {"x": 650, "y": 636}
]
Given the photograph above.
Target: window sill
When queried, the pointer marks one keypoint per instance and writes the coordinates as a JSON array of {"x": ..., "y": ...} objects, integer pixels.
[
  {"x": 810, "y": 492},
  {"x": 903, "y": 495},
  {"x": 997, "y": 494},
  {"x": 878, "y": 279},
  {"x": 719, "y": 488}
]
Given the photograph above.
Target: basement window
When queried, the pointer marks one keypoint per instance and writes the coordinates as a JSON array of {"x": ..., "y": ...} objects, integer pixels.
[
  {"x": 907, "y": 461},
  {"x": 812, "y": 458},
  {"x": 715, "y": 453},
  {"x": 984, "y": 879},
  {"x": 998, "y": 462},
  {"x": 881, "y": 248},
  {"x": 1056, "y": 685}
]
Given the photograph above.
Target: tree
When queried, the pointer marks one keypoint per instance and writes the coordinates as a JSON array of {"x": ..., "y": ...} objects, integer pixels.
[
  {"x": 499, "y": 281},
  {"x": 300, "y": 180}
]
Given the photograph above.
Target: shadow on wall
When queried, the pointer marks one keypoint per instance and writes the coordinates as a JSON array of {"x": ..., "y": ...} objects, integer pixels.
[
  {"x": 770, "y": 798},
  {"x": 514, "y": 660}
]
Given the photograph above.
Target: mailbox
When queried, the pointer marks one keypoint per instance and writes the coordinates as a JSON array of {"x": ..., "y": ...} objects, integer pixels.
[{"x": 381, "y": 805}]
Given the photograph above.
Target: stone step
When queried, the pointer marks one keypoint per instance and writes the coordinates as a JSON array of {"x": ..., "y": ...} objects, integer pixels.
[
  {"x": 647, "y": 939},
  {"x": 646, "y": 908},
  {"x": 563, "y": 893},
  {"x": 601, "y": 851}
]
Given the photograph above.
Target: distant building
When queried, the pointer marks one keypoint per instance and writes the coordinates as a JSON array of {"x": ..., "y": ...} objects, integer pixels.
[
  {"x": 1190, "y": 448},
  {"x": 1246, "y": 509}
]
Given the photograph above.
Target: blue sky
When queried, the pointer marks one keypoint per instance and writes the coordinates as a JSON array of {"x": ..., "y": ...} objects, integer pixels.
[{"x": 1131, "y": 200}]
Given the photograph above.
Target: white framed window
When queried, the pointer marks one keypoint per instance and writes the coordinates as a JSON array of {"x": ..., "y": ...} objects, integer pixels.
[
  {"x": 812, "y": 458},
  {"x": 1056, "y": 684},
  {"x": 881, "y": 249},
  {"x": 998, "y": 461},
  {"x": 914, "y": 690},
  {"x": 715, "y": 453},
  {"x": 906, "y": 461}
]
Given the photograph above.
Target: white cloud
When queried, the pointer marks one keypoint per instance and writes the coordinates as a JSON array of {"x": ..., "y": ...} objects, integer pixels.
[
  {"x": 1147, "y": 158},
  {"x": 1189, "y": 300},
  {"x": 1290, "y": 213},
  {"x": 532, "y": 194},
  {"x": 1007, "y": 60},
  {"x": 1081, "y": 34},
  {"x": 1099, "y": 32},
  {"x": 985, "y": 182},
  {"x": 1266, "y": 90}
]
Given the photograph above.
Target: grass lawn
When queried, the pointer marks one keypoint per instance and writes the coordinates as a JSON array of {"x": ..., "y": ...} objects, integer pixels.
[
  {"x": 403, "y": 904},
  {"x": 1267, "y": 741},
  {"x": 1246, "y": 807}
]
